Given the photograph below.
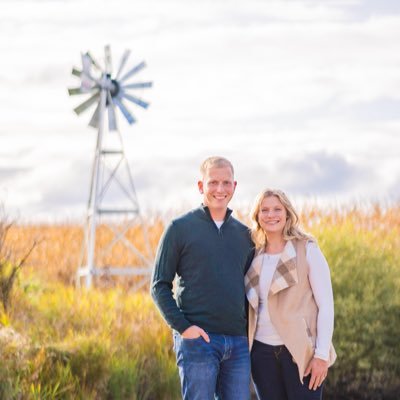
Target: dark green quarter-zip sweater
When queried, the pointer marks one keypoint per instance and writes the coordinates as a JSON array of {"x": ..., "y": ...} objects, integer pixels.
[{"x": 210, "y": 265}]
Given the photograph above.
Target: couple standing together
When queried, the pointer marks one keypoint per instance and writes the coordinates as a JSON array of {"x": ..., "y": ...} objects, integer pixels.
[{"x": 288, "y": 321}]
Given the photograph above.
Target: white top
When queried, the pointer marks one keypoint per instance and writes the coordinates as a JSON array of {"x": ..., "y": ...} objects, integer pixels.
[
  {"x": 320, "y": 281},
  {"x": 219, "y": 223}
]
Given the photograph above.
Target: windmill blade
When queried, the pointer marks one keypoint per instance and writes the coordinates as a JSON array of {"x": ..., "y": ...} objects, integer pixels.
[
  {"x": 93, "y": 61},
  {"x": 86, "y": 104},
  {"x": 75, "y": 90},
  {"x": 129, "y": 117},
  {"x": 108, "y": 63},
  {"x": 112, "y": 120},
  {"x": 86, "y": 75},
  {"x": 138, "y": 85},
  {"x": 122, "y": 62},
  {"x": 80, "y": 90},
  {"x": 135, "y": 100},
  {"x": 86, "y": 78},
  {"x": 86, "y": 64},
  {"x": 133, "y": 71},
  {"x": 77, "y": 72},
  {"x": 94, "y": 121}
]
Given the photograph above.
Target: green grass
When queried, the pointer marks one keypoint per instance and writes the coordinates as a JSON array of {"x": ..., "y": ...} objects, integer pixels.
[
  {"x": 82, "y": 344},
  {"x": 366, "y": 281}
]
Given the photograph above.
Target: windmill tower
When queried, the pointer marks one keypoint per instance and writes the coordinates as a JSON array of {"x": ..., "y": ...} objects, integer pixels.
[{"x": 113, "y": 224}]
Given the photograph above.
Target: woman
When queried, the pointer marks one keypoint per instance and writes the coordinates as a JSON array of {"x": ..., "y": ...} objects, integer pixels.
[{"x": 290, "y": 305}]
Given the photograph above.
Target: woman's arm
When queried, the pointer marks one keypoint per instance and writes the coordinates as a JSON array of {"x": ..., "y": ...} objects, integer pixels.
[{"x": 320, "y": 280}]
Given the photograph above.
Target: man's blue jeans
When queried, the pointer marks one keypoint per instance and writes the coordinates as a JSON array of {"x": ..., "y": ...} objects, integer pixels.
[{"x": 216, "y": 370}]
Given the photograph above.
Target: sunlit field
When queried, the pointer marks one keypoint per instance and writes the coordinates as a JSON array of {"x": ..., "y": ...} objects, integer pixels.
[{"x": 61, "y": 342}]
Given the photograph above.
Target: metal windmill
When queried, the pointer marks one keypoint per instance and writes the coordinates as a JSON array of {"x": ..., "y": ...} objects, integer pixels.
[{"x": 109, "y": 213}]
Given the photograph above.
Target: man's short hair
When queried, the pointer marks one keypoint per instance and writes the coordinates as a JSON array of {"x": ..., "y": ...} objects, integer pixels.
[{"x": 215, "y": 162}]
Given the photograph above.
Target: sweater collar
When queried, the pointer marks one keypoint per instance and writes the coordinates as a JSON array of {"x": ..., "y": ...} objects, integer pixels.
[{"x": 206, "y": 211}]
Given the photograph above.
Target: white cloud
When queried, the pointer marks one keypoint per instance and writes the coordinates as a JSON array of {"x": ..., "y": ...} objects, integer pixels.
[{"x": 260, "y": 82}]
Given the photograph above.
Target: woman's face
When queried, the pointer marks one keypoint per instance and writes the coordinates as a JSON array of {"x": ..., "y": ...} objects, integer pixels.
[{"x": 272, "y": 215}]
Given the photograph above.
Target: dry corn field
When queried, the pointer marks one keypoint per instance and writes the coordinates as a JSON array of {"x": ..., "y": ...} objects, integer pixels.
[
  {"x": 57, "y": 253},
  {"x": 58, "y": 250}
]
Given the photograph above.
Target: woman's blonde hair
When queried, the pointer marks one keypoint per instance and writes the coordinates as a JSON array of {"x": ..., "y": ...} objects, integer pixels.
[{"x": 291, "y": 229}]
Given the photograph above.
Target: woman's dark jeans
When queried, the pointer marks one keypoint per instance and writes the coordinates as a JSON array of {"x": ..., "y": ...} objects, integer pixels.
[{"x": 276, "y": 376}]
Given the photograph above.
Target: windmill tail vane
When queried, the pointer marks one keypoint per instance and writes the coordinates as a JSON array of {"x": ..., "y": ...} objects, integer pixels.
[{"x": 95, "y": 78}]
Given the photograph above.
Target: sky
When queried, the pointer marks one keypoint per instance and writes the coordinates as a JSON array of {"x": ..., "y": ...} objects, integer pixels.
[{"x": 300, "y": 95}]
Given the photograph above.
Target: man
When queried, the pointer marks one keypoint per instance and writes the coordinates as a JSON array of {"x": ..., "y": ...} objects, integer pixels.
[{"x": 210, "y": 252}]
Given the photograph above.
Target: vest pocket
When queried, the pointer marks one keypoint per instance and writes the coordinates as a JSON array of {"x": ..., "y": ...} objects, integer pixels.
[{"x": 309, "y": 334}]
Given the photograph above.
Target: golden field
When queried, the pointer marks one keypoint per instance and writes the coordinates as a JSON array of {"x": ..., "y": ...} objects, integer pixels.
[
  {"x": 58, "y": 251},
  {"x": 61, "y": 342}
]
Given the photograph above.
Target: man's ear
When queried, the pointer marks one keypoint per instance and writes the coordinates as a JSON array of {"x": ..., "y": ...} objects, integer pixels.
[
  {"x": 234, "y": 185},
  {"x": 200, "y": 186}
]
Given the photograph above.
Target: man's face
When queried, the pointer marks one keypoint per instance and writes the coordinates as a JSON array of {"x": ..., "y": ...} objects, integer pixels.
[{"x": 217, "y": 187}]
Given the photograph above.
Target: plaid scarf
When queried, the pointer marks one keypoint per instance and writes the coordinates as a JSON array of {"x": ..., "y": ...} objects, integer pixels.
[{"x": 285, "y": 274}]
